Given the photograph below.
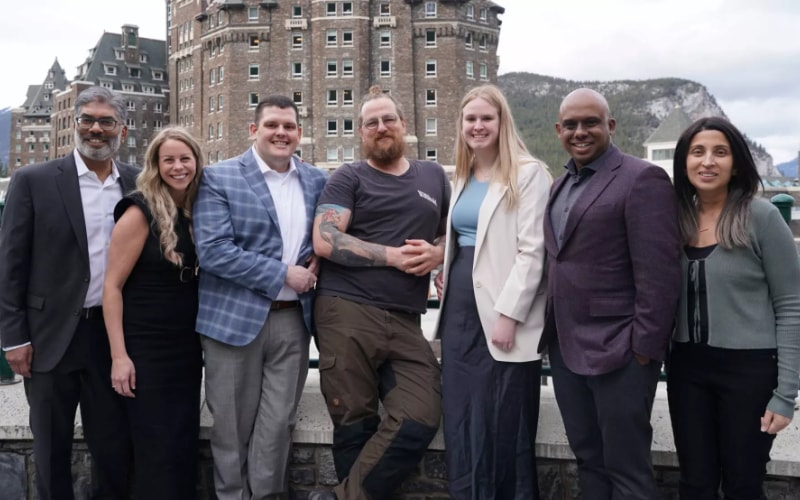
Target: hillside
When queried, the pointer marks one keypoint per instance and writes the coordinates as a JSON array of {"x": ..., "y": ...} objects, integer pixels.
[
  {"x": 5, "y": 134},
  {"x": 638, "y": 106}
]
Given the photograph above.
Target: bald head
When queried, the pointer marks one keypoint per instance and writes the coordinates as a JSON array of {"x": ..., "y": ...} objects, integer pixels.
[{"x": 585, "y": 126}]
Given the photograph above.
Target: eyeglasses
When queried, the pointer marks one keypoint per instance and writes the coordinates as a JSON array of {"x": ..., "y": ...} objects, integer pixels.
[
  {"x": 87, "y": 122},
  {"x": 389, "y": 121}
]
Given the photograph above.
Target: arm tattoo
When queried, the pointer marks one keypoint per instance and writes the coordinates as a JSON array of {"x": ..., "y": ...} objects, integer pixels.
[{"x": 347, "y": 250}]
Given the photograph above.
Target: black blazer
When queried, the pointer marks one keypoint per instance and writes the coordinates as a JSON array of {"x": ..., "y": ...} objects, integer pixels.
[{"x": 44, "y": 258}]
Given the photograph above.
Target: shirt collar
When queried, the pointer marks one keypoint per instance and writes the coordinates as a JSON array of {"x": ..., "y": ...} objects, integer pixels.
[
  {"x": 591, "y": 168},
  {"x": 267, "y": 170},
  {"x": 84, "y": 170}
]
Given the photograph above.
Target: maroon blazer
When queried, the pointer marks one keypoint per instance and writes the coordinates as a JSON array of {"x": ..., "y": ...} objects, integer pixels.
[{"x": 614, "y": 284}]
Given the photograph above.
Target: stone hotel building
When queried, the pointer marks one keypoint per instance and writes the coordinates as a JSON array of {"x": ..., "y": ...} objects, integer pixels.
[{"x": 225, "y": 55}]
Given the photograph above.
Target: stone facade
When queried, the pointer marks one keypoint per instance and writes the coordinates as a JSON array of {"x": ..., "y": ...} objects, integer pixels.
[
  {"x": 225, "y": 55},
  {"x": 312, "y": 468}
]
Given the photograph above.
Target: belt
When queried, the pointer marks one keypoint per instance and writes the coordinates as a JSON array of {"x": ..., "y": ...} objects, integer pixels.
[
  {"x": 277, "y": 305},
  {"x": 95, "y": 312}
]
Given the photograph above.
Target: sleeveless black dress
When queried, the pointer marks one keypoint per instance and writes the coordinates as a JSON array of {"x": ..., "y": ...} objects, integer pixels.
[{"x": 159, "y": 313}]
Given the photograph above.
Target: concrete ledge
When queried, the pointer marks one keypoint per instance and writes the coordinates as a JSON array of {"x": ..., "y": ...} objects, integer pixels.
[{"x": 314, "y": 427}]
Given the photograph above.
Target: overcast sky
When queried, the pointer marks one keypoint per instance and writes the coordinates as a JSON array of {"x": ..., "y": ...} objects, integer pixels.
[{"x": 746, "y": 52}]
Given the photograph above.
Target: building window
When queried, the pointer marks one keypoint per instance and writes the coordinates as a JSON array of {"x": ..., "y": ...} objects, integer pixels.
[
  {"x": 347, "y": 8},
  {"x": 297, "y": 40},
  {"x": 221, "y": 73},
  {"x": 219, "y": 130},
  {"x": 252, "y": 42},
  {"x": 330, "y": 9},
  {"x": 211, "y": 103},
  {"x": 430, "y": 38},
  {"x": 297, "y": 70},
  {"x": 468, "y": 40},
  {"x": 131, "y": 142},
  {"x": 332, "y": 68},
  {"x": 430, "y": 9},
  {"x": 220, "y": 18},
  {"x": 219, "y": 103},
  {"x": 157, "y": 107},
  {"x": 130, "y": 123},
  {"x": 431, "y": 154},
  {"x": 297, "y": 11},
  {"x": 347, "y": 67},
  {"x": 31, "y": 148},
  {"x": 213, "y": 50},
  {"x": 347, "y": 126},
  {"x": 253, "y": 72},
  {"x": 107, "y": 85},
  {"x": 430, "y": 67},
  {"x": 332, "y": 128},
  {"x": 131, "y": 105},
  {"x": 347, "y": 97},
  {"x": 219, "y": 156},
  {"x": 347, "y": 38},
  {"x": 483, "y": 71},
  {"x": 210, "y": 158},
  {"x": 470, "y": 70},
  {"x": 386, "y": 39},
  {"x": 157, "y": 124},
  {"x": 430, "y": 126},
  {"x": 119, "y": 55},
  {"x": 430, "y": 97},
  {"x": 333, "y": 97},
  {"x": 211, "y": 132},
  {"x": 252, "y": 99},
  {"x": 332, "y": 154},
  {"x": 663, "y": 154},
  {"x": 110, "y": 69},
  {"x": 330, "y": 38},
  {"x": 348, "y": 153},
  {"x": 385, "y": 9},
  {"x": 212, "y": 76},
  {"x": 127, "y": 87},
  {"x": 386, "y": 68},
  {"x": 147, "y": 89},
  {"x": 252, "y": 14},
  {"x": 470, "y": 12},
  {"x": 482, "y": 14},
  {"x": 136, "y": 73},
  {"x": 297, "y": 97},
  {"x": 482, "y": 42}
]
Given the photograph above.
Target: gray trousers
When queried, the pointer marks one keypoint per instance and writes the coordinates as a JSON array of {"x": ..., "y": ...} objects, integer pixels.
[{"x": 252, "y": 392}]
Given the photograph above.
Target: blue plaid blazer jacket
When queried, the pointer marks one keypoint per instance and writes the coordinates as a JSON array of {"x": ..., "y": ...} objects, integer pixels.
[{"x": 239, "y": 247}]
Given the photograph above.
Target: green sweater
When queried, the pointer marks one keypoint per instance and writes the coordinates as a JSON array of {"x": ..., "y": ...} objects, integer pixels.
[{"x": 753, "y": 299}]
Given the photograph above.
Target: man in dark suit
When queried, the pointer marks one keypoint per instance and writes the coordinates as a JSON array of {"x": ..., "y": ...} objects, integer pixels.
[
  {"x": 611, "y": 232},
  {"x": 53, "y": 243},
  {"x": 252, "y": 224}
]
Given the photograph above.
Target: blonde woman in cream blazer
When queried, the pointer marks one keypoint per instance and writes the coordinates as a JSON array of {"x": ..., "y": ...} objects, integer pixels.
[{"x": 493, "y": 303}]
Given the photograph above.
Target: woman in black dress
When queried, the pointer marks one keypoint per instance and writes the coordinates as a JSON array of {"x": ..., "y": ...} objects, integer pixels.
[{"x": 150, "y": 305}]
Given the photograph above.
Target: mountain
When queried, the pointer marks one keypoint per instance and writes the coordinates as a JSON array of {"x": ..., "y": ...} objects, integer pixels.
[
  {"x": 639, "y": 106},
  {"x": 5, "y": 134},
  {"x": 788, "y": 168}
]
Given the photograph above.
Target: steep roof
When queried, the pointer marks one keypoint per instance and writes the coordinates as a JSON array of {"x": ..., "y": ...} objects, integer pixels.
[
  {"x": 671, "y": 128},
  {"x": 131, "y": 68},
  {"x": 39, "y": 101}
]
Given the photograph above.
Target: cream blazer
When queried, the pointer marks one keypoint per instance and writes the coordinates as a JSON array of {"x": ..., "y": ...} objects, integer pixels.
[{"x": 509, "y": 266}]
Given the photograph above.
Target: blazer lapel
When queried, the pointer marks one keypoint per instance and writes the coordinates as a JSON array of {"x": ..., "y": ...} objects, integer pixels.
[
  {"x": 258, "y": 184},
  {"x": 494, "y": 195},
  {"x": 70, "y": 191},
  {"x": 597, "y": 184}
]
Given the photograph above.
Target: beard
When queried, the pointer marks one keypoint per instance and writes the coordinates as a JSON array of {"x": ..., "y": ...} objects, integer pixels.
[
  {"x": 106, "y": 152},
  {"x": 383, "y": 156}
]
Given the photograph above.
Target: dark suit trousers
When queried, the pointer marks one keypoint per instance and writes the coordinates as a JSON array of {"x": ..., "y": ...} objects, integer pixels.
[
  {"x": 607, "y": 419},
  {"x": 82, "y": 376}
]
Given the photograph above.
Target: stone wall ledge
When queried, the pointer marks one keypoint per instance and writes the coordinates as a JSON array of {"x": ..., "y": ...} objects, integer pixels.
[{"x": 314, "y": 427}]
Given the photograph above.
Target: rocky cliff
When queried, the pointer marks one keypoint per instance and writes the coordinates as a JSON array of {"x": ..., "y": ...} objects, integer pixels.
[{"x": 638, "y": 106}]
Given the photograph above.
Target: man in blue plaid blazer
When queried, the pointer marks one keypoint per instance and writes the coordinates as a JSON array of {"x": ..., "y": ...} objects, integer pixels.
[{"x": 252, "y": 226}]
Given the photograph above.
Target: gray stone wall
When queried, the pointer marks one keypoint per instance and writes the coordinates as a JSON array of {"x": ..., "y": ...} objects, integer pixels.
[{"x": 312, "y": 468}]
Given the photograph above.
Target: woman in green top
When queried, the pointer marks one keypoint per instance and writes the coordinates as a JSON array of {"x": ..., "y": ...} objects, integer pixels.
[{"x": 733, "y": 368}]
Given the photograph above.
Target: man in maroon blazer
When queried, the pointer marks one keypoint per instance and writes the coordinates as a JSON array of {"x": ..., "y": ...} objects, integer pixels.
[{"x": 611, "y": 232}]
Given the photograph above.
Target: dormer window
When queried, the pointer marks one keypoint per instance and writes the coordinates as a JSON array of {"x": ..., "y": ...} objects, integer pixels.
[
  {"x": 119, "y": 54},
  {"x": 136, "y": 73},
  {"x": 158, "y": 75},
  {"x": 110, "y": 69},
  {"x": 143, "y": 58}
]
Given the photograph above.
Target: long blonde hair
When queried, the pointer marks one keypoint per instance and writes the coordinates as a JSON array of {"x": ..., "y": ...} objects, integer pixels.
[
  {"x": 511, "y": 151},
  {"x": 156, "y": 195}
]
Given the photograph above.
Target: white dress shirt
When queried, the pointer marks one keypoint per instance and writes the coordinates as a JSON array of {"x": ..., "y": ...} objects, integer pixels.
[
  {"x": 287, "y": 195},
  {"x": 98, "y": 200}
]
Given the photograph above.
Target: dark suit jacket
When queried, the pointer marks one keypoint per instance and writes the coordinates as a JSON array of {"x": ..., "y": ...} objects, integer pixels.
[
  {"x": 613, "y": 286},
  {"x": 44, "y": 258}
]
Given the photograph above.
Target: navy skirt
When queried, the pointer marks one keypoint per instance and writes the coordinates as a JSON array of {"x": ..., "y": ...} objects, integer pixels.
[{"x": 490, "y": 408}]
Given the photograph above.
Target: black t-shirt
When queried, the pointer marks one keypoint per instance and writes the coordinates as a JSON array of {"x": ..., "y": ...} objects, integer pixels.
[{"x": 386, "y": 209}]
